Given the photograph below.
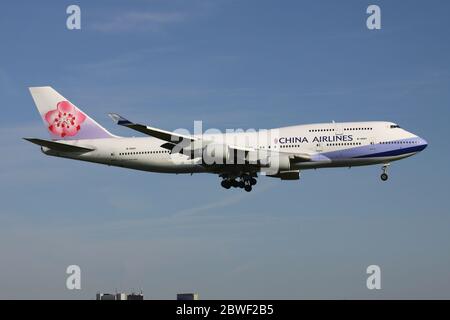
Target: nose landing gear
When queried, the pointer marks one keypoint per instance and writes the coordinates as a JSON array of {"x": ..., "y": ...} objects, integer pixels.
[{"x": 384, "y": 175}]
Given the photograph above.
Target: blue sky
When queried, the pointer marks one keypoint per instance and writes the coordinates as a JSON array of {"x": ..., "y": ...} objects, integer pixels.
[{"x": 231, "y": 64}]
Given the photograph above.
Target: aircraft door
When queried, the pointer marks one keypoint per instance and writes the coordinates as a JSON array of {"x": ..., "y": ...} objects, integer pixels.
[
  {"x": 373, "y": 143},
  {"x": 338, "y": 129},
  {"x": 319, "y": 147}
]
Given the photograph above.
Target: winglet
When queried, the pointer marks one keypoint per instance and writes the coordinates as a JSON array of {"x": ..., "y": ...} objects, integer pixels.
[{"x": 117, "y": 118}]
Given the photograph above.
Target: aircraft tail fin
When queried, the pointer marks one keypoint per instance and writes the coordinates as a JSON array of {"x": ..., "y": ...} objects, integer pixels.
[{"x": 63, "y": 120}]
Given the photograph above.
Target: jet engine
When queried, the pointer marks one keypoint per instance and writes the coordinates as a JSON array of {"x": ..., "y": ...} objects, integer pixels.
[{"x": 216, "y": 154}]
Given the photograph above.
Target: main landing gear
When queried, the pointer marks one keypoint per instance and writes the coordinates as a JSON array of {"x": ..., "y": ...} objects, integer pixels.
[
  {"x": 245, "y": 182},
  {"x": 384, "y": 175}
]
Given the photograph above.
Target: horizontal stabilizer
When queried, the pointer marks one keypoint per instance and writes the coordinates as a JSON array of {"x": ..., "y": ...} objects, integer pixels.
[{"x": 58, "y": 146}]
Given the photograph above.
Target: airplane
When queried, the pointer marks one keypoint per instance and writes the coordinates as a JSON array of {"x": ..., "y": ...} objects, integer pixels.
[{"x": 237, "y": 157}]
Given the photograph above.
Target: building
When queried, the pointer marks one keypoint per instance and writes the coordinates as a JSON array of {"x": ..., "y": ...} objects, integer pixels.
[
  {"x": 135, "y": 296},
  {"x": 187, "y": 296},
  {"x": 119, "y": 296},
  {"x": 105, "y": 296}
]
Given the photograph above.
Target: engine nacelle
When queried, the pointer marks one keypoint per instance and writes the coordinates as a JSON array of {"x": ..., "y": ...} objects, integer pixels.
[
  {"x": 287, "y": 175},
  {"x": 280, "y": 162},
  {"x": 216, "y": 154}
]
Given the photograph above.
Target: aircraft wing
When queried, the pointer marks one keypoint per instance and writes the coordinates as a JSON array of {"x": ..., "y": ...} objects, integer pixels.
[
  {"x": 294, "y": 157},
  {"x": 151, "y": 131},
  {"x": 299, "y": 157},
  {"x": 187, "y": 147},
  {"x": 262, "y": 157}
]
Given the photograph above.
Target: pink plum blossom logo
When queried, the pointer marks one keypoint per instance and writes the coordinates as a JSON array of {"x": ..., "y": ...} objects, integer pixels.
[{"x": 65, "y": 120}]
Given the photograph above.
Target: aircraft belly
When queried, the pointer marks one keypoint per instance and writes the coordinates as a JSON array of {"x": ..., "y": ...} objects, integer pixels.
[
  {"x": 161, "y": 165},
  {"x": 354, "y": 162}
]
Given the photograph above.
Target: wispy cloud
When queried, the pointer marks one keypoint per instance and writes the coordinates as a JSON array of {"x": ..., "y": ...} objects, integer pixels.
[
  {"x": 206, "y": 208},
  {"x": 148, "y": 21}
]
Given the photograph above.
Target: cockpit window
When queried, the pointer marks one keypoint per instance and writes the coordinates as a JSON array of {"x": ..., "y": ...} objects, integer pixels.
[{"x": 394, "y": 126}]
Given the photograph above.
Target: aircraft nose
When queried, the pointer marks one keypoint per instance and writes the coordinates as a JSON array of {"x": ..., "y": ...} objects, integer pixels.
[{"x": 422, "y": 143}]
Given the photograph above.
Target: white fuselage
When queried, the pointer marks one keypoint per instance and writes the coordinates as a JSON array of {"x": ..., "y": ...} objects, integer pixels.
[{"x": 329, "y": 144}]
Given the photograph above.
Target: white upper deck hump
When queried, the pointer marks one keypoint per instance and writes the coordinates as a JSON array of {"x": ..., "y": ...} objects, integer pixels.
[{"x": 341, "y": 127}]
